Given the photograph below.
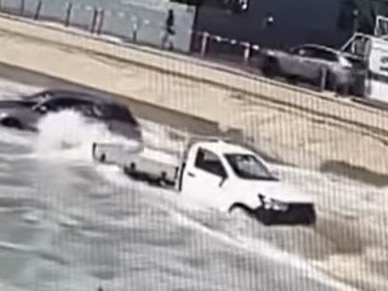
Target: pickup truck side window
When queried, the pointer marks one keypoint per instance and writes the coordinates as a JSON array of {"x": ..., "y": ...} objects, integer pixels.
[
  {"x": 209, "y": 162},
  {"x": 249, "y": 167}
]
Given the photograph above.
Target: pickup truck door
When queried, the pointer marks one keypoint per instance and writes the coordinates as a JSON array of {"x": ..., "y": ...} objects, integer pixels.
[{"x": 204, "y": 179}]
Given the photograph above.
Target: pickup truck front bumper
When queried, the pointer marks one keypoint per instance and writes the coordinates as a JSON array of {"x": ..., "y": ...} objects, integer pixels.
[{"x": 296, "y": 213}]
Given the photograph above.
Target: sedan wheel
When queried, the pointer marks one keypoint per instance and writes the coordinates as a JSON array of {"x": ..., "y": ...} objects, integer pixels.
[{"x": 12, "y": 123}]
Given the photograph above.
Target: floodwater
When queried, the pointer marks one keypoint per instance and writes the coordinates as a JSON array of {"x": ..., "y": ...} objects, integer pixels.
[{"x": 67, "y": 223}]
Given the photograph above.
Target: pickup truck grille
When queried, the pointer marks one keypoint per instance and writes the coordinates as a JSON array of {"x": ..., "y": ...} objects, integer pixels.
[{"x": 297, "y": 213}]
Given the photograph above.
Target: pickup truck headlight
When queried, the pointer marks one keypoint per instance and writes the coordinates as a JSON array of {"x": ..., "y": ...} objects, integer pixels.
[{"x": 272, "y": 204}]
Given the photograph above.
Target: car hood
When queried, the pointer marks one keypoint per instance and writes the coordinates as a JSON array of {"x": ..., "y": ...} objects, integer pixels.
[
  {"x": 9, "y": 104},
  {"x": 277, "y": 190}
]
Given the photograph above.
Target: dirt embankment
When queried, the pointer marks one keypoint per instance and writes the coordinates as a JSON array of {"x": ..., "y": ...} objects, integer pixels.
[{"x": 292, "y": 124}]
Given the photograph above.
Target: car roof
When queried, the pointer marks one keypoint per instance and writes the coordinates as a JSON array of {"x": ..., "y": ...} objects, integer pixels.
[
  {"x": 221, "y": 148},
  {"x": 79, "y": 95},
  {"x": 320, "y": 47}
]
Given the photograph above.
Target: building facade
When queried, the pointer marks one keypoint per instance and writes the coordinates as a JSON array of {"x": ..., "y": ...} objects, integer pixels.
[{"x": 278, "y": 23}]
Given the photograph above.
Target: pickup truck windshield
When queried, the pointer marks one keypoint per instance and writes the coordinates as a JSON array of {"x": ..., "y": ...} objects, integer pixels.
[{"x": 249, "y": 167}]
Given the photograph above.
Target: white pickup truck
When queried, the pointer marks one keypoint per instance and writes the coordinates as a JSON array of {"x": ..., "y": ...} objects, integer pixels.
[{"x": 221, "y": 174}]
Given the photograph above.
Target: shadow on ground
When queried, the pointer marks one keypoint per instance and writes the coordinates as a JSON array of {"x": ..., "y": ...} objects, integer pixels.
[{"x": 361, "y": 174}]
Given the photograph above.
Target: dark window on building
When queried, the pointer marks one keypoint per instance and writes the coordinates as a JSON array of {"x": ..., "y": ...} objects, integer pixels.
[{"x": 346, "y": 15}]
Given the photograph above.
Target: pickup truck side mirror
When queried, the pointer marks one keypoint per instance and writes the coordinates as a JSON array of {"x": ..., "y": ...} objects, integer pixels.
[{"x": 223, "y": 179}]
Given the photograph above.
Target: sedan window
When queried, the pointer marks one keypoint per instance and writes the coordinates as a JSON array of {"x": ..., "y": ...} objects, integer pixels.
[
  {"x": 61, "y": 103},
  {"x": 38, "y": 97}
]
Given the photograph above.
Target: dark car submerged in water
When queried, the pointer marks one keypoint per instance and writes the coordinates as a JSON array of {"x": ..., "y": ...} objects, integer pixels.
[{"x": 26, "y": 112}]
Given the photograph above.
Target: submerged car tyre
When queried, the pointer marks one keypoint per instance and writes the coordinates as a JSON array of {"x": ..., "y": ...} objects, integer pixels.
[{"x": 11, "y": 122}]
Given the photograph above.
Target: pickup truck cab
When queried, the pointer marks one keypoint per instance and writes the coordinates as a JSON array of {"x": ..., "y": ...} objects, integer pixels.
[{"x": 222, "y": 175}]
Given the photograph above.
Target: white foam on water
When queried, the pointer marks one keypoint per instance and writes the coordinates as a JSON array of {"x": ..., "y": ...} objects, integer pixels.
[
  {"x": 68, "y": 135},
  {"x": 157, "y": 136},
  {"x": 13, "y": 136}
]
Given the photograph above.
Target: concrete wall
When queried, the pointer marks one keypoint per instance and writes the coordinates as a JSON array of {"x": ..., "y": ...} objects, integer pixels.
[{"x": 121, "y": 18}]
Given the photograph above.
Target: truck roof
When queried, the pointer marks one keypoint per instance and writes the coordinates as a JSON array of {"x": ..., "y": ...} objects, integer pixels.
[{"x": 222, "y": 147}]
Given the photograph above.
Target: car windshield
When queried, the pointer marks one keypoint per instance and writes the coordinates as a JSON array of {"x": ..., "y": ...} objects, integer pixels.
[
  {"x": 37, "y": 97},
  {"x": 249, "y": 167}
]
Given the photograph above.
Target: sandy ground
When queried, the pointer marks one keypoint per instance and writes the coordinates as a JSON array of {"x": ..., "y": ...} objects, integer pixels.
[{"x": 296, "y": 126}]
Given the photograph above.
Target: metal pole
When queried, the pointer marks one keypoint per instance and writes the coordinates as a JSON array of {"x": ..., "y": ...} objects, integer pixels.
[
  {"x": 205, "y": 38},
  {"x": 38, "y": 9},
  {"x": 322, "y": 85},
  {"x": 101, "y": 21},
  {"x": 134, "y": 32},
  {"x": 22, "y": 5},
  {"x": 247, "y": 53},
  {"x": 94, "y": 20},
  {"x": 68, "y": 13}
]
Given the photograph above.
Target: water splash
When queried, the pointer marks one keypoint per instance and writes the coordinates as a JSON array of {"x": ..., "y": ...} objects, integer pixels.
[{"x": 69, "y": 135}]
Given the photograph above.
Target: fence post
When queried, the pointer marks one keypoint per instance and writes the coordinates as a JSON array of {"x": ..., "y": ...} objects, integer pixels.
[
  {"x": 22, "y": 5},
  {"x": 38, "y": 9},
  {"x": 247, "y": 52},
  {"x": 1, "y": 6},
  {"x": 68, "y": 13},
  {"x": 101, "y": 21},
  {"x": 94, "y": 20},
  {"x": 205, "y": 38},
  {"x": 134, "y": 32},
  {"x": 135, "y": 28}
]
